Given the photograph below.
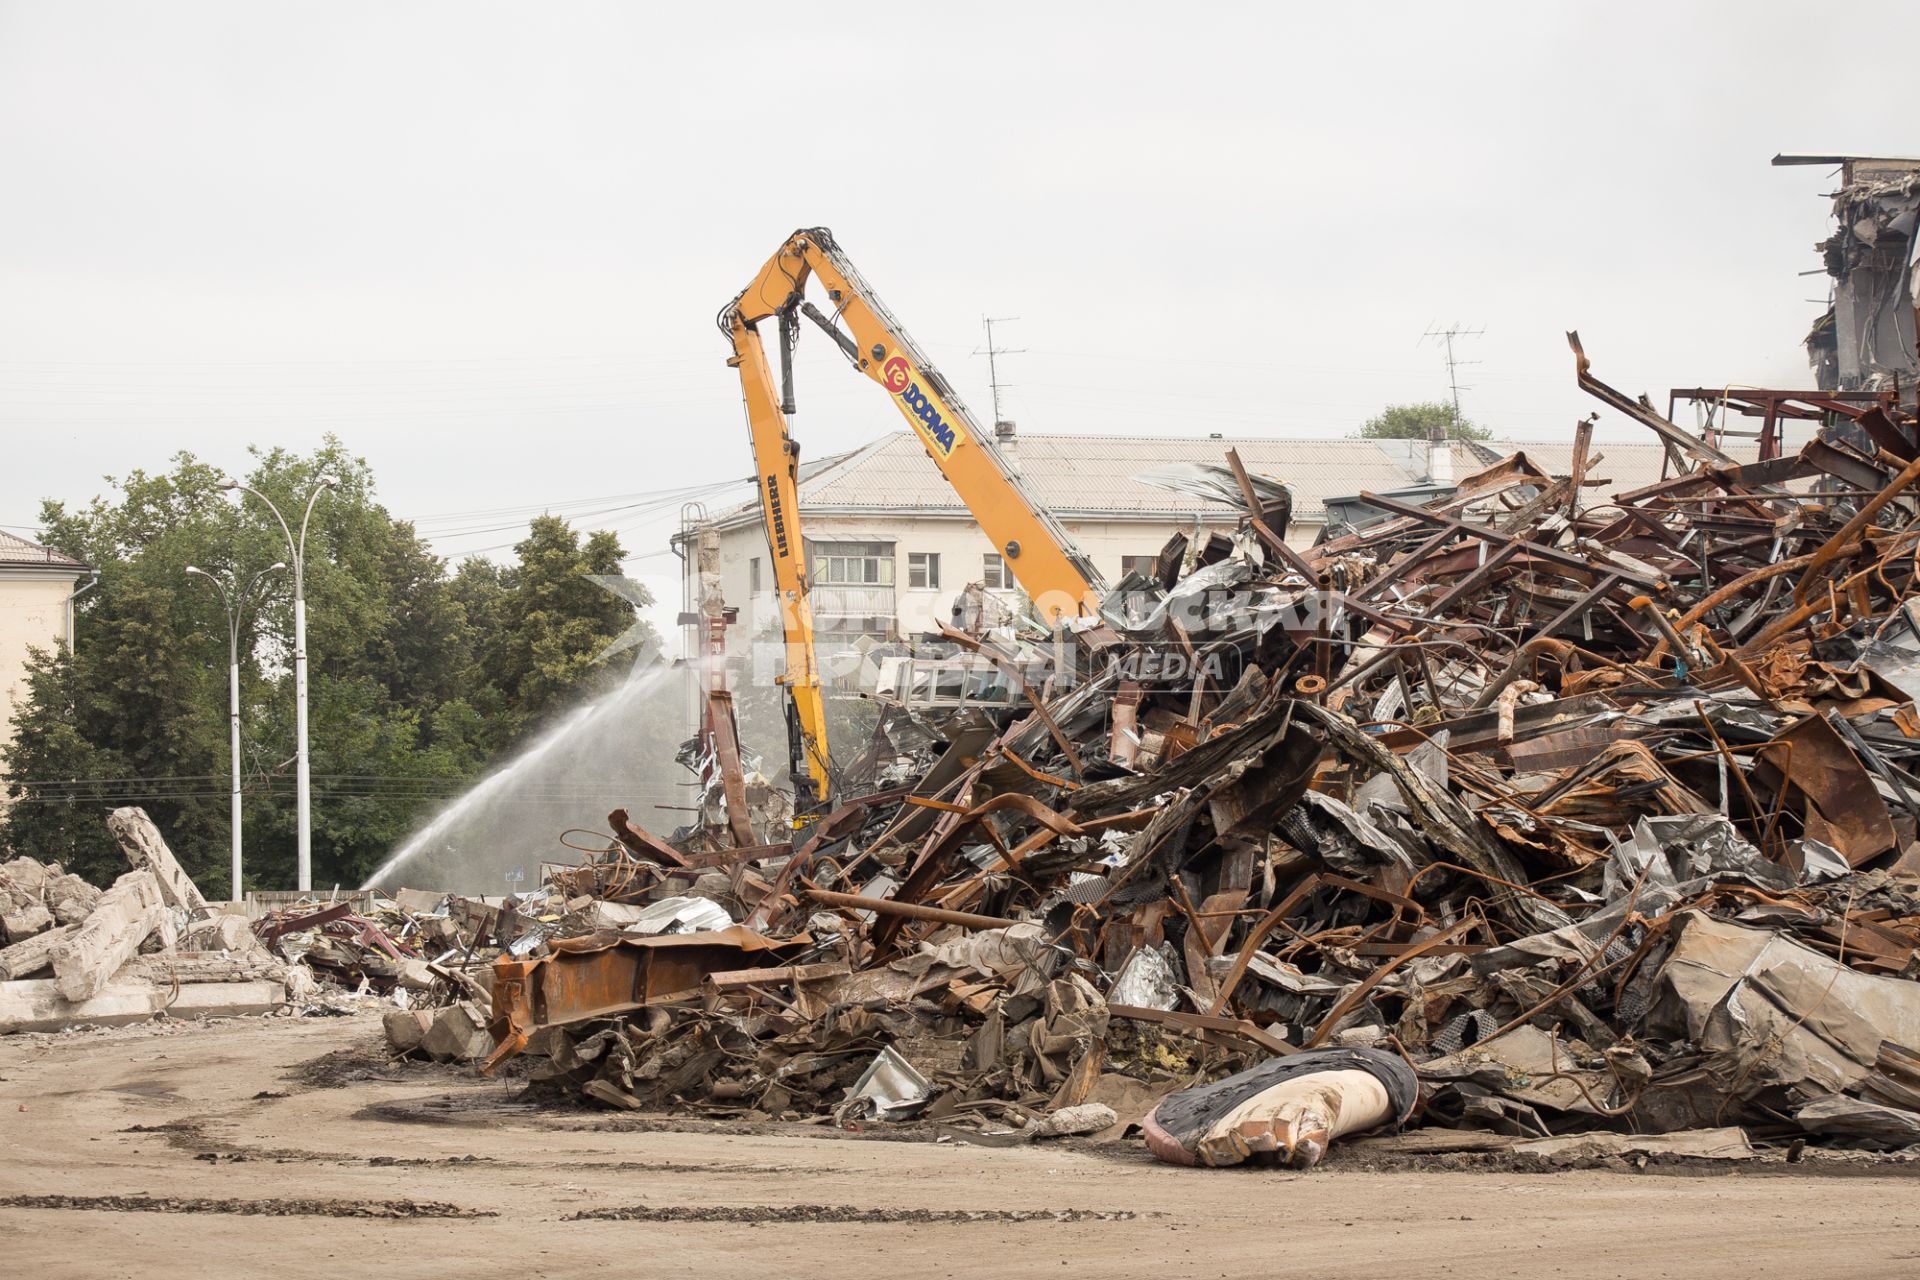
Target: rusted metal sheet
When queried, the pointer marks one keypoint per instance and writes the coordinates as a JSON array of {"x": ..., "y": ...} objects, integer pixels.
[
  {"x": 604, "y": 974},
  {"x": 1839, "y": 804}
]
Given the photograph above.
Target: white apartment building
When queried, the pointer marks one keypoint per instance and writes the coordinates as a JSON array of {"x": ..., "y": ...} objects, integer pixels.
[{"x": 890, "y": 544}]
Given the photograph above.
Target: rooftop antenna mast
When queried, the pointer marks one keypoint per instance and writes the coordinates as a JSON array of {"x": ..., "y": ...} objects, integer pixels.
[
  {"x": 1439, "y": 448},
  {"x": 993, "y": 369},
  {"x": 1446, "y": 336}
]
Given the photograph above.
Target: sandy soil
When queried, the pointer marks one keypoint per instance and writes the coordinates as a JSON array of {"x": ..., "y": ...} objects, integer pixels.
[{"x": 287, "y": 1148}]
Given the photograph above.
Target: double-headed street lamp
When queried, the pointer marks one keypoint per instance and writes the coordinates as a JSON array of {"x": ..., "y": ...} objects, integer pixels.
[
  {"x": 235, "y": 602},
  {"x": 304, "y": 774}
]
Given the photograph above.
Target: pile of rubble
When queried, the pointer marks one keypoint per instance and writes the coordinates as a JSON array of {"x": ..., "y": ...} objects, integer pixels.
[
  {"x": 148, "y": 944},
  {"x": 74, "y": 955},
  {"x": 1583, "y": 816}
]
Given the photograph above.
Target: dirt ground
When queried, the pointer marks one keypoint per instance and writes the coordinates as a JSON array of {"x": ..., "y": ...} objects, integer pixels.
[{"x": 288, "y": 1147}]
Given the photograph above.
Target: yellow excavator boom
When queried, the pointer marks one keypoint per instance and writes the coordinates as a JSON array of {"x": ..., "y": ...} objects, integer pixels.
[
  {"x": 1061, "y": 582},
  {"x": 777, "y": 477}
]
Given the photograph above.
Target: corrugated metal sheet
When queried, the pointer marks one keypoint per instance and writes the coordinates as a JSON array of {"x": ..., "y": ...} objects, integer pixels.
[{"x": 1081, "y": 475}]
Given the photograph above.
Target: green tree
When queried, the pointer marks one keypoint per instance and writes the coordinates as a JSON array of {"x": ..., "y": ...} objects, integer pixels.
[
  {"x": 1416, "y": 421},
  {"x": 552, "y": 622},
  {"x": 419, "y": 676},
  {"x": 58, "y": 823}
]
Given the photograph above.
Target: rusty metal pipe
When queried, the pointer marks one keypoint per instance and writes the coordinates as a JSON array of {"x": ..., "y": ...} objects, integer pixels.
[
  {"x": 1781, "y": 626},
  {"x": 1662, "y": 623},
  {"x": 1728, "y": 592},
  {"x": 908, "y": 910},
  {"x": 1532, "y": 649},
  {"x": 1833, "y": 547},
  {"x": 1505, "y": 703}
]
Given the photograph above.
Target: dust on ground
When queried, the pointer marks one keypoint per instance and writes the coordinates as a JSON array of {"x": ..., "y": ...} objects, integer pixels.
[{"x": 187, "y": 1150}]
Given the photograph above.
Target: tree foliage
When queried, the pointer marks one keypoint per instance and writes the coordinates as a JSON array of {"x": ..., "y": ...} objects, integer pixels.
[
  {"x": 420, "y": 675},
  {"x": 1415, "y": 421}
]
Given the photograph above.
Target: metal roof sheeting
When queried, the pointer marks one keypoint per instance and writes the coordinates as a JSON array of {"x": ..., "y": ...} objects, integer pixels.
[
  {"x": 1093, "y": 475},
  {"x": 17, "y": 552}
]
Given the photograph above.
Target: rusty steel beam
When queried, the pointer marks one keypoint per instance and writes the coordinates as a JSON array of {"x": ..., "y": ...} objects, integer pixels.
[
  {"x": 599, "y": 975},
  {"x": 1640, "y": 411},
  {"x": 1536, "y": 551},
  {"x": 908, "y": 910},
  {"x": 643, "y": 843}
]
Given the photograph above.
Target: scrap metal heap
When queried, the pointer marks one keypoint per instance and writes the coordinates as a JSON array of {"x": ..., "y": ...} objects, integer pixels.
[{"x": 1596, "y": 814}]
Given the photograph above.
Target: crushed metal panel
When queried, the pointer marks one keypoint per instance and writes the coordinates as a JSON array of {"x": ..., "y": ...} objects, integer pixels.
[
  {"x": 604, "y": 974},
  {"x": 1771, "y": 1013}
]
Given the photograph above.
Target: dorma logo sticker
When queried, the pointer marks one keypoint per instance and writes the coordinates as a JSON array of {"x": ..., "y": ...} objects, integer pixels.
[{"x": 897, "y": 376}]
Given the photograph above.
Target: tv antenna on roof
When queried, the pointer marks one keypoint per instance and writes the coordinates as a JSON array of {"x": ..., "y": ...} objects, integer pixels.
[
  {"x": 993, "y": 368},
  {"x": 1446, "y": 337}
]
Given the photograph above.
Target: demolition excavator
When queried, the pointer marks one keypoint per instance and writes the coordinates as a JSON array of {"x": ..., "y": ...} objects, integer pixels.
[{"x": 1059, "y": 579}]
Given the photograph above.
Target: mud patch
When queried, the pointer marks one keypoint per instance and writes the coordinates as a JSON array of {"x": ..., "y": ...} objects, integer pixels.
[
  {"x": 356, "y": 1064},
  {"x": 251, "y": 1208},
  {"x": 190, "y": 1137},
  {"x": 839, "y": 1214},
  {"x": 1767, "y": 1164},
  {"x": 480, "y": 1106}
]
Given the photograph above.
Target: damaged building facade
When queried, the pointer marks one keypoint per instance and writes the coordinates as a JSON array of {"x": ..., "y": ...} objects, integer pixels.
[{"x": 1866, "y": 339}]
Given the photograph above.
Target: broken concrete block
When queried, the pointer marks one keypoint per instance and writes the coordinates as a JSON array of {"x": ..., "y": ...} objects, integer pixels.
[
  {"x": 226, "y": 999},
  {"x": 458, "y": 1034},
  {"x": 27, "y": 876},
  {"x": 406, "y": 1028},
  {"x": 419, "y": 902},
  {"x": 185, "y": 967},
  {"x": 69, "y": 898},
  {"x": 85, "y": 960},
  {"x": 29, "y": 956},
  {"x": 1699, "y": 1144},
  {"x": 415, "y": 975},
  {"x": 221, "y": 933},
  {"x": 35, "y": 1004},
  {"x": 141, "y": 841},
  {"x": 20, "y": 919},
  {"x": 166, "y": 933},
  {"x": 23, "y": 912}
]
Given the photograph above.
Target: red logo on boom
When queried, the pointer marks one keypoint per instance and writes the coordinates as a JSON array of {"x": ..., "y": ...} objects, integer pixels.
[{"x": 896, "y": 374}]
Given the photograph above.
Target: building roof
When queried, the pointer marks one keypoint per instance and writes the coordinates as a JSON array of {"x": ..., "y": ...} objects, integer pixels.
[
  {"x": 17, "y": 552},
  {"x": 1092, "y": 476}
]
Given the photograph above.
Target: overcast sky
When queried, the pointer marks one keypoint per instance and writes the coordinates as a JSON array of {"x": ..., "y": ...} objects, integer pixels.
[{"x": 484, "y": 243}]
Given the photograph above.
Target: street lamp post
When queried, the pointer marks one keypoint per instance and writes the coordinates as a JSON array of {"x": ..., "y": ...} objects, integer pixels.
[
  {"x": 235, "y": 603},
  {"x": 303, "y": 769}
]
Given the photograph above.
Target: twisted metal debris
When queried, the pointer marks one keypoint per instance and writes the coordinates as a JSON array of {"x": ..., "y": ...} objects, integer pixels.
[{"x": 1597, "y": 811}]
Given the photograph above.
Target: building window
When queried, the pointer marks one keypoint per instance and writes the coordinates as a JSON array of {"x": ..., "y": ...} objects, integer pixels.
[
  {"x": 993, "y": 572},
  {"x": 923, "y": 570},
  {"x": 1142, "y": 565},
  {"x": 753, "y": 575},
  {"x": 853, "y": 563}
]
